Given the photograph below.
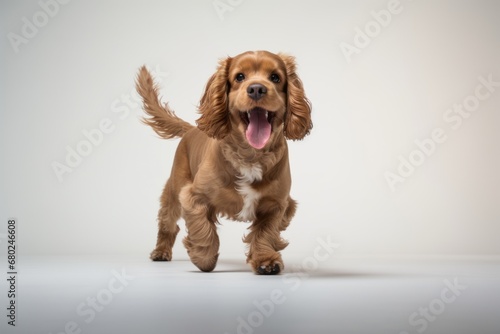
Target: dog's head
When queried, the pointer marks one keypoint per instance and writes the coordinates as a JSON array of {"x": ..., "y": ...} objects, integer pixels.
[{"x": 260, "y": 95}]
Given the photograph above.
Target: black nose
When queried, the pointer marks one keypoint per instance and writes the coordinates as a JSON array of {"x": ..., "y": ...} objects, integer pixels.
[{"x": 256, "y": 91}]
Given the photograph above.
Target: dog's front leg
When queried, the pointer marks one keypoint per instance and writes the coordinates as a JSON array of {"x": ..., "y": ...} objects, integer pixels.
[
  {"x": 202, "y": 241},
  {"x": 264, "y": 238}
]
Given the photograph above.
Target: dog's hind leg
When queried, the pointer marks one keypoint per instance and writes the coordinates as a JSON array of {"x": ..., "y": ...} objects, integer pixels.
[{"x": 168, "y": 215}]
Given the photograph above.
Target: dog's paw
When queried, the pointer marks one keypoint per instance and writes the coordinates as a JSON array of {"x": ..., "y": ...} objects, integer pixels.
[
  {"x": 160, "y": 255},
  {"x": 270, "y": 269},
  {"x": 205, "y": 264},
  {"x": 269, "y": 265}
]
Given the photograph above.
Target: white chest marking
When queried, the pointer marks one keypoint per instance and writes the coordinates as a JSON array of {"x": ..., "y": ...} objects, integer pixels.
[{"x": 250, "y": 196}]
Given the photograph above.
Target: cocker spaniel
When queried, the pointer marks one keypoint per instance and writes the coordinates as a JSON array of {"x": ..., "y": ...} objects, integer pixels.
[{"x": 234, "y": 164}]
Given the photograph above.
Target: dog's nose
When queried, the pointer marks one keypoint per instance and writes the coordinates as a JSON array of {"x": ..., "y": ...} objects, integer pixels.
[{"x": 256, "y": 91}]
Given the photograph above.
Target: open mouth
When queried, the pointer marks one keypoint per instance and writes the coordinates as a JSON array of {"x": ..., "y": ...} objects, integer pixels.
[{"x": 258, "y": 126}]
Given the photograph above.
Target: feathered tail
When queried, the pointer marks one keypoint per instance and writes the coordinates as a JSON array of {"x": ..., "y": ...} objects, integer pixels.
[{"x": 162, "y": 119}]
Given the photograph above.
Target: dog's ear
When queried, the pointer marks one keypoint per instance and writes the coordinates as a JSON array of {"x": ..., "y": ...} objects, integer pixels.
[
  {"x": 298, "y": 121},
  {"x": 214, "y": 119}
]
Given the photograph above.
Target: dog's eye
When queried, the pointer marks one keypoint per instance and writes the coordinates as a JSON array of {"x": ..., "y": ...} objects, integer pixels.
[
  {"x": 240, "y": 77},
  {"x": 275, "y": 78}
]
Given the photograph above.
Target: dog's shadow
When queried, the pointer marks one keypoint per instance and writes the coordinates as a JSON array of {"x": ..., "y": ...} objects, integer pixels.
[{"x": 228, "y": 266}]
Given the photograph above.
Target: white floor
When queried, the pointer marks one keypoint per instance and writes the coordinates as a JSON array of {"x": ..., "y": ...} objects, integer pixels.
[{"x": 65, "y": 295}]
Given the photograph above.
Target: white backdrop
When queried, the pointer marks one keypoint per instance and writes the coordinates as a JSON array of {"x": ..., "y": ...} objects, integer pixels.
[{"x": 403, "y": 157}]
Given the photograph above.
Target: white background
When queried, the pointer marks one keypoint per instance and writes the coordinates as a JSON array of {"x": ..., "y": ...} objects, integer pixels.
[{"x": 80, "y": 66}]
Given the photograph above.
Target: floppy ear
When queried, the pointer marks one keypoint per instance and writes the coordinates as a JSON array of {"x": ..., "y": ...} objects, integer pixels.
[
  {"x": 298, "y": 121},
  {"x": 214, "y": 119}
]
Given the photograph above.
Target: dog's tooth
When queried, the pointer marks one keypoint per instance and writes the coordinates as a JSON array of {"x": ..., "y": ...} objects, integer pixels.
[
  {"x": 248, "y": 113},
  {"x": 266, "y": 113}
]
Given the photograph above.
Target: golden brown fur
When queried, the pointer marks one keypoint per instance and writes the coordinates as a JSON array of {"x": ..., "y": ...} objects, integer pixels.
[{"x": 235, "y": 163}]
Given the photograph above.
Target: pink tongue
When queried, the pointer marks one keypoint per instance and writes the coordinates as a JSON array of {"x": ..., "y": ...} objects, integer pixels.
[{"x": 259, "y": 129}]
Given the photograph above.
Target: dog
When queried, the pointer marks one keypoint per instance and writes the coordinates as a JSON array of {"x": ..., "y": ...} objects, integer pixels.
[{"x": 234, "y": 164}]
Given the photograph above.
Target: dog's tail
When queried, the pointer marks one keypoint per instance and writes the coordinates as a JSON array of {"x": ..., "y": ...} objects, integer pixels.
[{"x": 161, "y": 118}]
